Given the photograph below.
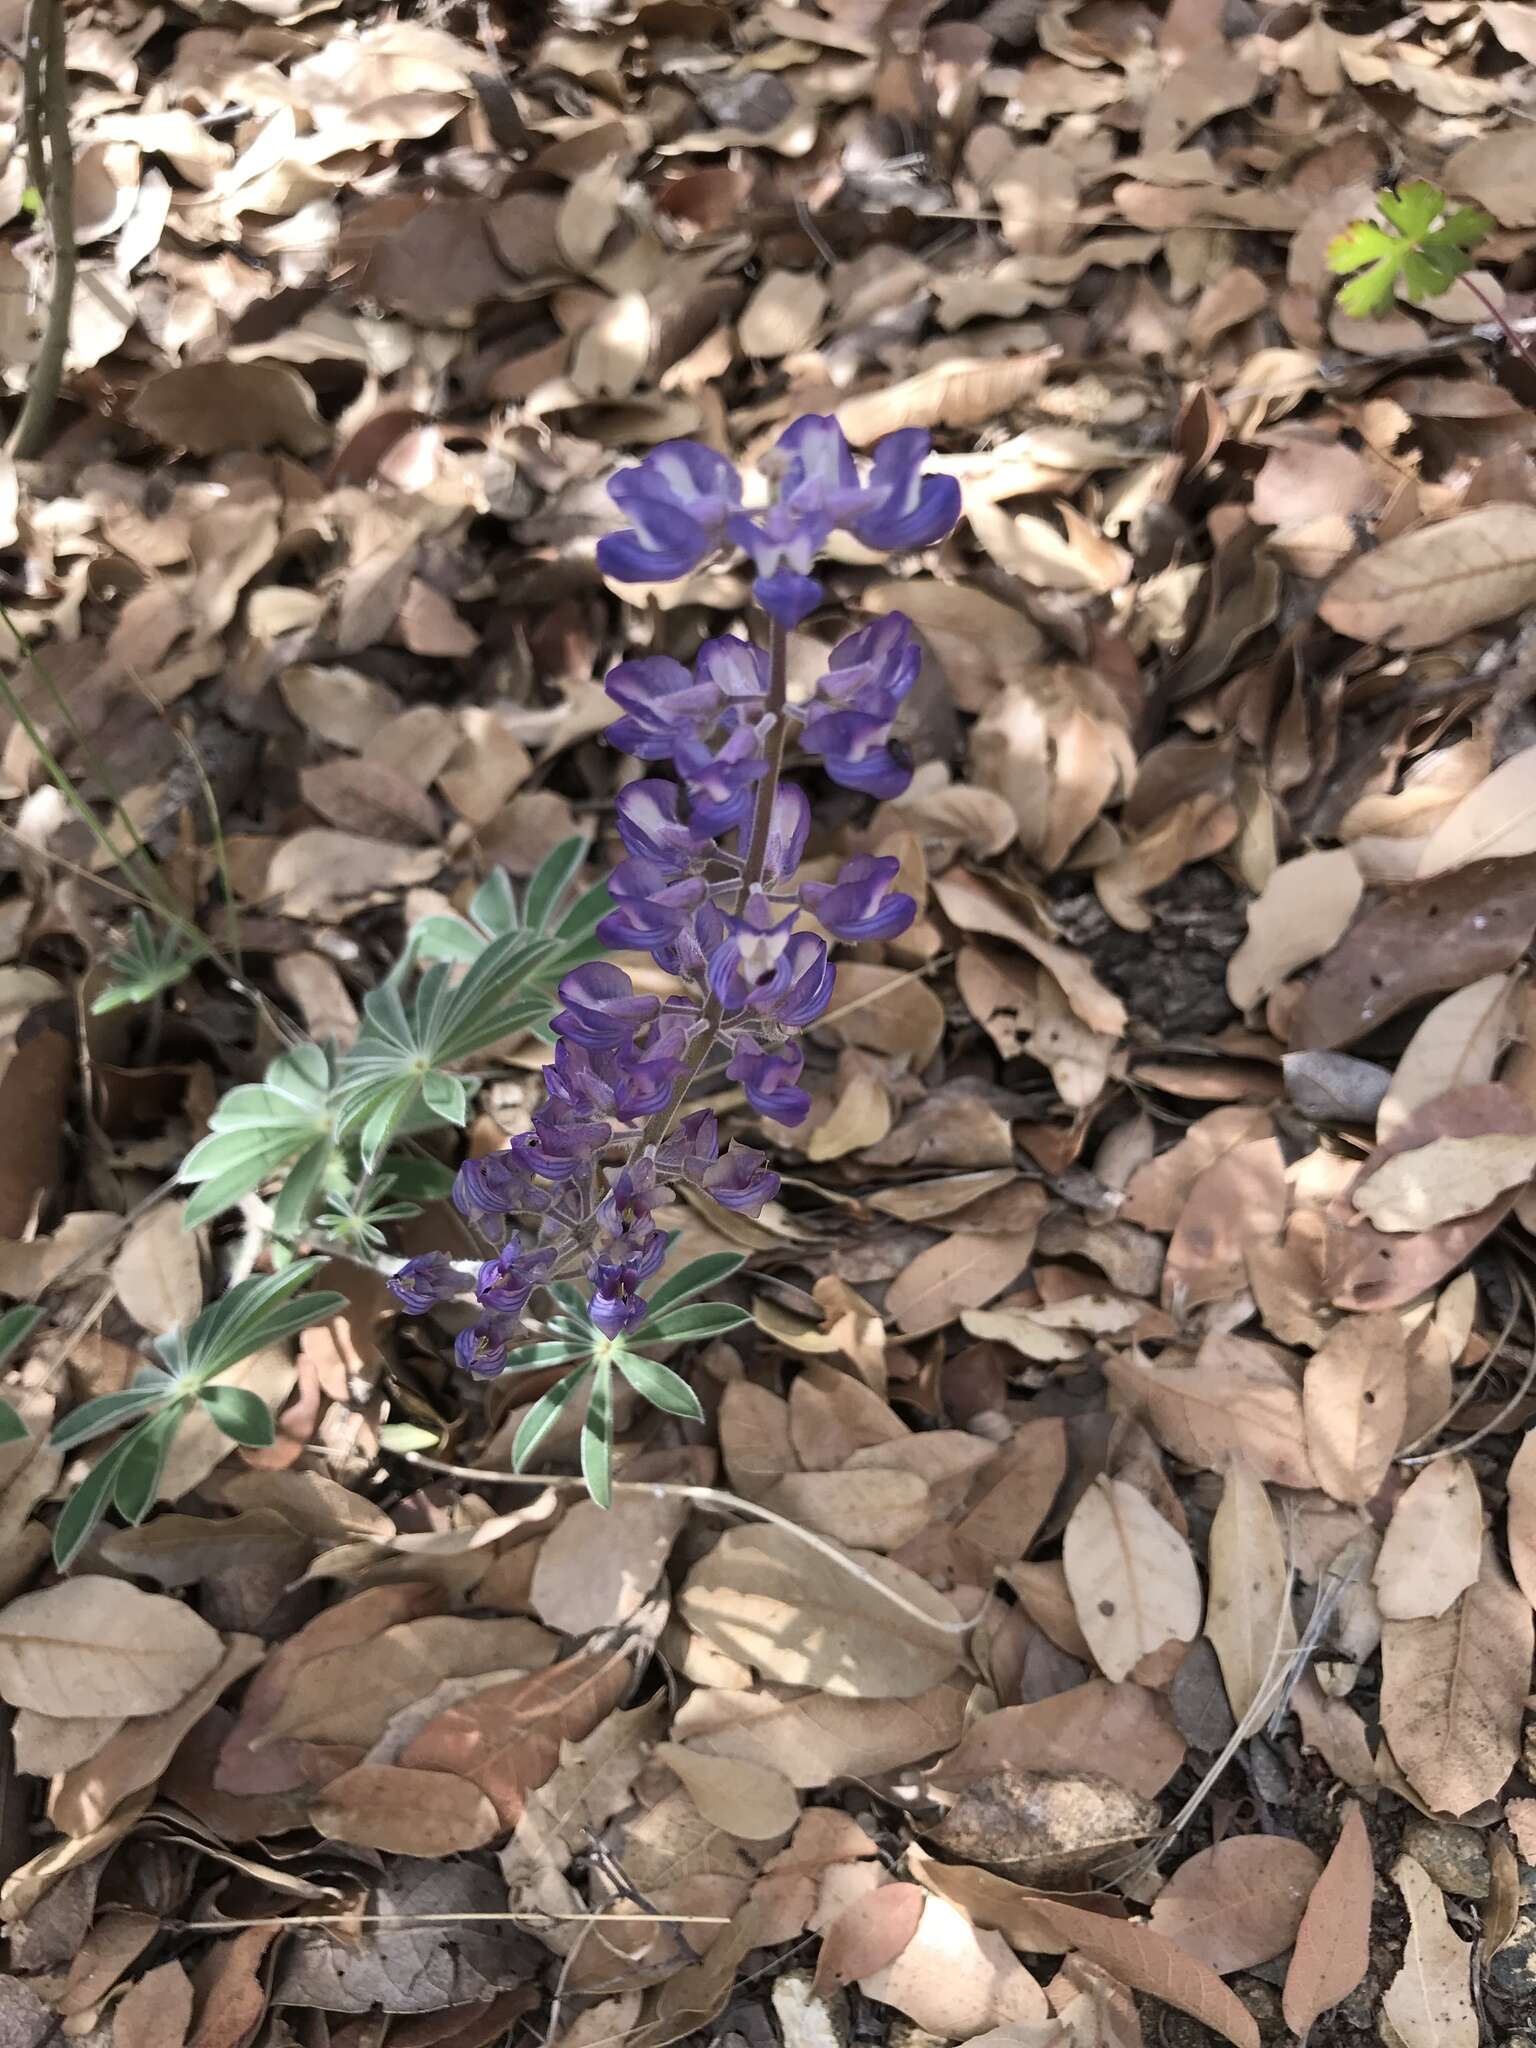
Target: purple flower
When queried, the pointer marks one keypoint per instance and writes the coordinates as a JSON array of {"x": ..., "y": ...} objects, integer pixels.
[
  {"x": 481, "y": 1350},
  {"x": 650, "y": 827},
  {"x": 561, "y": 1143},
  {"x": 871, "y": 670},
  {"x": 662, "y": 703},
  {"x": 601, "y": 1007},
  {"x": 817, "y": 472},
  {"x": 742, "y": 1180},
  {"x": 751, "y": 964},
  {"x": 650, "y": 908},
  {"x": 423, "y": 1282},
  {"x": 905, "y": 509},
  {"x": 617, "y": 1303},
  {"x": 736, "y": 669},
  {"x": 811, "y": 979},
  {"x": 768, "y": 1076},
  {"x": 505, "y": 1283},
  {"x": 783, "y": 545},
  {"x": 493, "y": 1185},
  {"x": 857, "y": 753},
  {"x": 720, "y": 785},
  {"x": 789, "y": 826},
  {"x": 677, "y": 502},
  {"x": 860, "y": 903}
]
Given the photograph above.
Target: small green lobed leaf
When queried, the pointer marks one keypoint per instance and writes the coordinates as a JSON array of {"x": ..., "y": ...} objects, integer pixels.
[{"x": 1418, "y": 252}]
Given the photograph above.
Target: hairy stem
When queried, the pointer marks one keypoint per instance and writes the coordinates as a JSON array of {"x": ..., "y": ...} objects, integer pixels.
[{"x": 47, "y": 110}]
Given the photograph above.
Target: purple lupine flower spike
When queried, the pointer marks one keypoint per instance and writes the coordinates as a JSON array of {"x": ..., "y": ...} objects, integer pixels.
[{"x": 708, "y": 884}]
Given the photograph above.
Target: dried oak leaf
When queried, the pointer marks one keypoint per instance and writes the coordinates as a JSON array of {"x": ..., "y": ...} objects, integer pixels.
[
  {"x": 1240, "y": 1903},
  {"x": 216, "y": 407},
  {"x": 1044, "y": 1826}
]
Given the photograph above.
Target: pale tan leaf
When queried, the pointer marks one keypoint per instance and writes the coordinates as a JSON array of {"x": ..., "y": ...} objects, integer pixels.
[
  {"x": 1132, "y": 1578},
  {"x": 782, "y": 315},
  {"x": 98, "y": 1642},
  {"x": 962, "y": 1271},
  {"x": 815, "y": 1739},
  {"x": 1521, "y": 1486},
  {"x": 1235, "y": 1398},
  {"x": 1433, "y": 1547},
  {"x": 1456, "y": 1046},
  {"x": 1044, "y": 1827},
  {"x": 1429, "y": 2001},
  {"x": 1333, "y": 1942},
  {"x": 1123, "y": 1732},
  {"x": 869, "y": 1933},
  {"x": 1496, "y": 821},
  {"x": 753, "y": 1801},
  {"x": 1355, "y": 1399},
  {"x": 158, "y": 1272},
  {"x": 953, "y": 1981},
  {"x": 1248, "y": 1614},
  {"x": 1444, "y": 1180},
  {"x": 1302, "y": 913},
  {"x": 772, "y": 1601},
  {"x": 46, "y": 1745},
  {"x": 216, "y": 406},
  {"x": 1498, "y": 170},
  {"x": 1240, "y": 1903},
  {"x": 967, "y": 902},
  {"x": 1426, "y": 586},
  {"x": 1453, "y": 1690},
  {"x": 960, "y": 392},
  {"x": 599, "y": 1566},
  {"x": 873, "y": 1510}
]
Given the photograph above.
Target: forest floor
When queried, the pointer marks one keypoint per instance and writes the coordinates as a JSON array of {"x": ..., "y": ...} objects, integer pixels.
[{"x": 1148, "y": 1302}]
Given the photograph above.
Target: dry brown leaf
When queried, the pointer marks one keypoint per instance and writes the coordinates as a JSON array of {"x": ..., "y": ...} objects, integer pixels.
[
  {"x": 1425, "y": 587},
  {"x": 599, "y": 1566},
  {"x": 1333, "y": 1942},
  {"x": 1355, "y": 1400},
  {"x": 1521, "y": 1524},
  {"x": 968, "y": 903},
  {"x": 1123, "y": 1732},
  {"x": 958, "y": 393},
  {"x": 1432, "y": 1550},
  {"x": 873, "y": 1510},
  {"x": 1429, "y": 2001},
  {"x": 774, "y": 1602},
  {"x": 158, "y": 1272},
  {"x": 1233, "y": 1398},
  {"x": 1132, "y": 1578},
  {"x": 1457, "y": 1045},
  {"x": 1498, "y": 170},
  {"x": 156, "y": 2011},
  {"x": 405, "y": 1812},
  {"x": 1302, "y": 912},
  {"x": 1240, "y": 1903},
  {"x": 868, "y": 1934},
  {"x": 752, "y": 1801},
  {"x": 815, "y": 1739},
  {"x": 327, "y": 875},
  {"x": 370, "y": 799},
  {"x": 953, "y": 1981},
  {"x": 1248, "y": 1613},
  {"x": 1044, "y": 1827},
  {"x": 210, "y": 408},
  {"x": 97, "y": 1640},
  {"x": 1453, "y": 1690},
  {"x": 962, "y": 1271},
  {"x": 782, "y": 315},
  {"x": 1237, "y": 1202},
  {"x": 1444, "y": 1180}
]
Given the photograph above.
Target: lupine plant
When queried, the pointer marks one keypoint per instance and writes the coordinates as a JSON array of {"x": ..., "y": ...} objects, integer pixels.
[{"x": 708, "y": 888}]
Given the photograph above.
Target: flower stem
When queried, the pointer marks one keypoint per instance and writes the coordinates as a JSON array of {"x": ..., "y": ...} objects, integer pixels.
[
  {"x": 1500, "y": 319},
  {"x": 658, "y": 1125}
]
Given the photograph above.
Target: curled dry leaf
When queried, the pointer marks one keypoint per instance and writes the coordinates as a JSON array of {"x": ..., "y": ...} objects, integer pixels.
[
  {"x": 1457, "y": 1045},
  {"x": 1429, "y": 2001},
  {"x": 1444, "y": 1180},
  {"x": 1044, "y": 1826},
  {"x": 1521, "y": 1527},
  {"x": 1453, "y": 1690},
  {"x": 1240, "y": 1903},
  {"x": 1496, "y": 821},
  {"x": 1333, "y": 1942},
  {"x": 1132, "y": 1578},
  {"x": 1432, "y": 1551},
  {"x": 798, "y": 1616},
  {"x": 1248, "y": 1613}
]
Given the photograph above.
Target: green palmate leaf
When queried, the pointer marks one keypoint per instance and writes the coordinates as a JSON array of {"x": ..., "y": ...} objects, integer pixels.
[
  {"x": 695, "y": 1278},
  {"x": 258, "y": 1130},
  {"x": 88, "y": 1503},
  {"x": 251, "y": 1316},
  {"x": 12, "y": 1429},
  {"x": 538, "y": 1357},
  {"x": 553, "y": 876},
  {"x": 597, "y": 1437},
  {"x": 147, "y": 965},
  {"x": 243, "y": 1416},
  {"x": 110, "y": 1411},
  {"x": 659, "y": 1384},
  {"x": 145, "y": 1451},
  {"x": 16, "y": 1326},
  {"x": 697, "y": 1319},
  {"x": 543, "y": 1415},
  {"x": 1421, "y": 251}
]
